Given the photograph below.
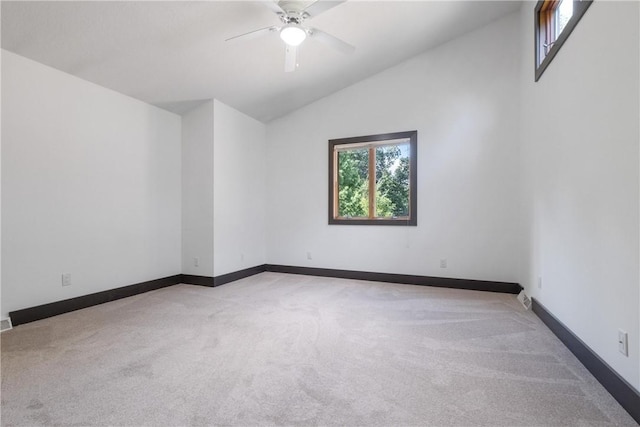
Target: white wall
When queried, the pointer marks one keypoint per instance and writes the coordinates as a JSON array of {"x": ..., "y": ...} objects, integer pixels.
[
  {"x": 239, "y": 190},
  {"x": 197, "y": 190},
  {"x": 3, "y": 314},
  {"x": 90, "y": 186},
  {"x": 580, "y": 137},
  {"x": 462, "y": 98}
]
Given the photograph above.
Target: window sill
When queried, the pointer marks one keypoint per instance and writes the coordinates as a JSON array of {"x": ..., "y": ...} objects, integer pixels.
[{"x": 367, "y": 221}]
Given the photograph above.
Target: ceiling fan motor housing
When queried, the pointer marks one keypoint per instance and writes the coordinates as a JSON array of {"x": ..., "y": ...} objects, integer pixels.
[
  {"x": 294, "y": 11},
  {"x": 294, "y": 6}
]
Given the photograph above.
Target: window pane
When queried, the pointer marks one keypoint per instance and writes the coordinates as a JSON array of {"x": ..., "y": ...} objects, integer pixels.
[
  {"x": 353, "y": 183},
  {"x": 392, "y": 181},
  {"x": 563, "y": 14}
]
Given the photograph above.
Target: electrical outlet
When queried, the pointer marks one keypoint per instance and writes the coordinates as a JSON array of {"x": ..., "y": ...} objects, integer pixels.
[
  {"x": 443, "y": 263},
  {"x": 623, "y": 346},
  {"x": 66, "y": 279},
  {"x": 539, "y": 282},
  {"x": 242, "y": 257},
  {"x": 196, "y": 262},
  {"x": 309, "y": 255}
]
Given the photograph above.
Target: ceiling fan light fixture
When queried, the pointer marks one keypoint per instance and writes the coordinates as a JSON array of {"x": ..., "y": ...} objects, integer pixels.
[{"x": 293, "y": 35}]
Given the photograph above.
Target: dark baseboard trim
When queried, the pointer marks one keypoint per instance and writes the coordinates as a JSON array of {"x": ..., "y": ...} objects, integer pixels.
[
  {"x": 476, "y": 285},
  {"x": 39, "y": 312},
  {"x": 32, "y": 314},
  {"x": 443, "y": 282},
  {"x": 617, "y": 386},
  {"x": 237, "y": 275},
  {"x": 191, "y": 279}
]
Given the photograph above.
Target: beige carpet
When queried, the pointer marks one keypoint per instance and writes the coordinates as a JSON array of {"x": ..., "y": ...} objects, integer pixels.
[{"x": 277, "y": 349}]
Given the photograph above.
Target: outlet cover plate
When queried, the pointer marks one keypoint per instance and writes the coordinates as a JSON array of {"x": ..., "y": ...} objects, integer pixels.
[{"x": 623, "y": 342}]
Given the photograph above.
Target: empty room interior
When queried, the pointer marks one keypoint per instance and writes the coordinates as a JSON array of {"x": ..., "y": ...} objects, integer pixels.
[{"x": 320, "y": 213}]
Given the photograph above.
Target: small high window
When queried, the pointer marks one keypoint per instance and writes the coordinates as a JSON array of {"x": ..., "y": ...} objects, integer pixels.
[
  {"x": 554, "y": 21},
  {"x": 372, "y": 179}
]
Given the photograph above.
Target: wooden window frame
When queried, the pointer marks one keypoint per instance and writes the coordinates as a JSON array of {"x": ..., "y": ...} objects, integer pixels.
[
  {"x": 545, "y": 37},
  {"x": 412, "y": 219}
]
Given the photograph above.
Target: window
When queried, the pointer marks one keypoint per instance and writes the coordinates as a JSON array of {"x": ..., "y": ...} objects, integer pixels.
[
  {"x": 554, "y": 21},
  {"x": 372, "y": 179}
]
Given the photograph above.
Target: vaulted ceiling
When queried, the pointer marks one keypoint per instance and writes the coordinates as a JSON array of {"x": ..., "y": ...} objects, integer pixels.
[{"x": 173, "y": 54}]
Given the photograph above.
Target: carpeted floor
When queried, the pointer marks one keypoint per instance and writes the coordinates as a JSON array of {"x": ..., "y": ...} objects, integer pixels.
[{"x": 277, "y": 349}]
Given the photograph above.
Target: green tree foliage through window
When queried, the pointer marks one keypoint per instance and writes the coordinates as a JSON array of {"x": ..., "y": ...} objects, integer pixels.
[
  {"x": 392, "y": 182},
  {"x": 353, "y": 183}
]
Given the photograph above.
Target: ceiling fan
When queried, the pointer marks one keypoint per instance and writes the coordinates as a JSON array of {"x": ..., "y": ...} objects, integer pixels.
[{"x": 292, "y": 14}]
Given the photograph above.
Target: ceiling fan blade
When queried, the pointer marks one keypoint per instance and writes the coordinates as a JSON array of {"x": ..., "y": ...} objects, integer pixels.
[
  {"x": 330, "y": 40},
  {"x": 320, "y": 6},
  {"x": 290, "y": 58},
  {"x": 273, "y": 6},
  {"x": 255, "y": 33}
]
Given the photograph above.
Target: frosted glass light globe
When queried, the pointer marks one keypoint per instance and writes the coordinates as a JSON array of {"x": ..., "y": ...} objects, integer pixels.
[{"x": 293, "y": 35}]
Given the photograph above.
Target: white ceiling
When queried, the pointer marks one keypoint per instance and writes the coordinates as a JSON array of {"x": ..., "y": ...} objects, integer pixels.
[{"x": 173, "y": 54}]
